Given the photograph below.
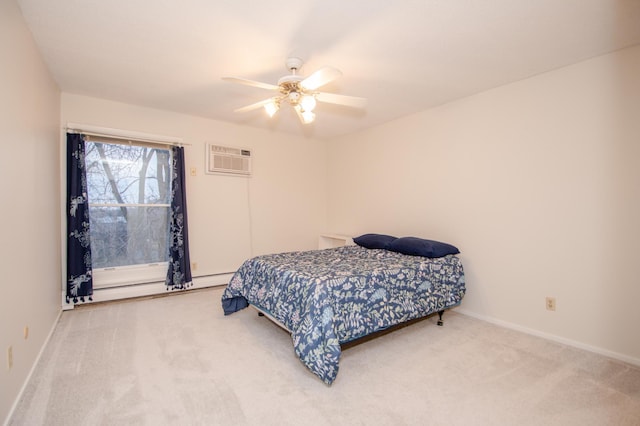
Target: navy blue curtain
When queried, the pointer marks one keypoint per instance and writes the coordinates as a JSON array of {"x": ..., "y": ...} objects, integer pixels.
[
  {"x": 79, "y": 272},
  {"x": 179, "y": 272}
]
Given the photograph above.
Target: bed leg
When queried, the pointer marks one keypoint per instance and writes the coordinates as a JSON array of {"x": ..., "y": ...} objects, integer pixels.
[{"x": 440, "y": 323}]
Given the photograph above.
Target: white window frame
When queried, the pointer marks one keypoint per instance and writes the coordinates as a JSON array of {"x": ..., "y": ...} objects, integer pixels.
[{"x": 127, "y": 275}]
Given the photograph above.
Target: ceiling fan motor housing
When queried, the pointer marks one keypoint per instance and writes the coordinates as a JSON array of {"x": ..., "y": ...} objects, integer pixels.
[
  {"x": 290, "y": 87},
  {"x": 290, "y": 84}
]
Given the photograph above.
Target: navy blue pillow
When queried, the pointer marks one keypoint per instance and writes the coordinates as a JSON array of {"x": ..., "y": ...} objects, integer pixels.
[
  {"x": 421, "y": 247},
  {"x": 374, "y": 241}
]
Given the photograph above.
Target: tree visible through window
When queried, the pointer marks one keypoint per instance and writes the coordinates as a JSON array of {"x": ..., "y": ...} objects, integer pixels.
[{"x": 128, "y": 189}]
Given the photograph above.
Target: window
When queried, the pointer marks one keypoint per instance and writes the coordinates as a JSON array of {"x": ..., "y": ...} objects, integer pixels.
[{"x": 128, "y": 189}]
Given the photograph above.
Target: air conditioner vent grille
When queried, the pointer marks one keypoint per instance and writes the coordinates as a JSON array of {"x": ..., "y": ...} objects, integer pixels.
[{"x": 228, "y": 160}]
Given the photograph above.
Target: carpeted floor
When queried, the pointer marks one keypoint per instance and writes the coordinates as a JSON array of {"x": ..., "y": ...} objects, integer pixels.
[{"x": 178, "y": 360}]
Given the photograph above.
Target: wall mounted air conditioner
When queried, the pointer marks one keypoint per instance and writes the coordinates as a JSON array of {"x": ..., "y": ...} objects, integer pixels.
[{"x": 228, "y": 160}]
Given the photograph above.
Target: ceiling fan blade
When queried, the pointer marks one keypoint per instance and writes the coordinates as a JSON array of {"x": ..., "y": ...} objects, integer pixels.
[
  {"x": 253, "y": 106},
  {"x": 349, "y": 101},
  {"x": 251, "y": 83},
  {"x": 319, "y": 78}
]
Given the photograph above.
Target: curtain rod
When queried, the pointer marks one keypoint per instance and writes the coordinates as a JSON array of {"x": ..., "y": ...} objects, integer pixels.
[{"x": 124, "y": 134}]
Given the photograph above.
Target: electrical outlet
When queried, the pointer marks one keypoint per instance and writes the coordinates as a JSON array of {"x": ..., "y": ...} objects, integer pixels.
[
  {"x": 551, "y": 303},
  {"x": 194, "y": 171},
  {"x": 194, "y": 265},
  {"x": 26, "y": 332},
  {"x": 10, "y": 357}
]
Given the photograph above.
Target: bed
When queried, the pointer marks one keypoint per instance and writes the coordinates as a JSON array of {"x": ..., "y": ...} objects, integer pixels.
[{"x": 326, "y": 298}]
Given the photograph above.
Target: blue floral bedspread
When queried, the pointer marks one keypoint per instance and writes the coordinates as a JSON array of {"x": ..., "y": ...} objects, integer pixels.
[{"x": 332, "y": 296}]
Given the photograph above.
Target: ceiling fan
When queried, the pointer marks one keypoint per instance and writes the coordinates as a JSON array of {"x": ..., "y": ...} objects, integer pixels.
[{"x": 301, "y": 93}]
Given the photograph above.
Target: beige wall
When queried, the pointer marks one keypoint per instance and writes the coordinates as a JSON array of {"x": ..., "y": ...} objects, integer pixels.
[
  {"x": 30, "y": 214},
  {"x": 538, "y": 184},
  {"x": 281, "y": 207}
]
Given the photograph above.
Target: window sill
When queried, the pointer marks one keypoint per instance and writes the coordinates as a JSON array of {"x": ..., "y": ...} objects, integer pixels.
[{"x": 129, "y": 275}]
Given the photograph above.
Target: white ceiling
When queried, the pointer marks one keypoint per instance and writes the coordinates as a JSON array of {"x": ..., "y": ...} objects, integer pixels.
[{"x": 405, "y": 56}]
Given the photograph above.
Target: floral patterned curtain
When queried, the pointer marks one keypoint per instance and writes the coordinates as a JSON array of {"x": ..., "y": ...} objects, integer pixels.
[
  {"x": 179, "y": 272},
  {"x": 79, "y": 272}
]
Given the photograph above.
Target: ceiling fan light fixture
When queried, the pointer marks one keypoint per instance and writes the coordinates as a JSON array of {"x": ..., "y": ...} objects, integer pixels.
[
  {"x": 308, "y": 117},
  {"x": 308, "y": 103},
  {"x": 293, "y": 97},
  {"x": 272, "y": 107}
]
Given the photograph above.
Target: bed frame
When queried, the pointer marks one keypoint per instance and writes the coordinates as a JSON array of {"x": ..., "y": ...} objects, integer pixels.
[{"x": 362, "y": 339}]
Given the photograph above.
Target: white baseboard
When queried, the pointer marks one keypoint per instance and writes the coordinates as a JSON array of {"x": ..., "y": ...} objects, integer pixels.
[
  {"x": 150, "y": 289},
  {"x": 600, "y": 351},
  {"x": 32, "y": 370}
]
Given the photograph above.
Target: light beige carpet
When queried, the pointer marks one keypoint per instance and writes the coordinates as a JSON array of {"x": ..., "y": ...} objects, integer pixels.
[{"x": 177, "y": 360}]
